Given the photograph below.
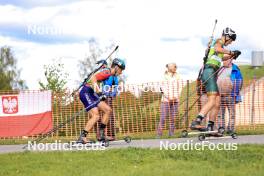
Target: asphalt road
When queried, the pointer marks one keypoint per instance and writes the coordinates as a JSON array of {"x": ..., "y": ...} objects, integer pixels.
[{"x": 144, "y": 143}]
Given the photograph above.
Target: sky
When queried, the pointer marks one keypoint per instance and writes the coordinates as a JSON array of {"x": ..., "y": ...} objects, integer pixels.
[{"x": 150, "y": 33}]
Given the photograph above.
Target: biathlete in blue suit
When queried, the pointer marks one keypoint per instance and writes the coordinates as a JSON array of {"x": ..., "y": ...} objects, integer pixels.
[{"x": 93, "y": 99}]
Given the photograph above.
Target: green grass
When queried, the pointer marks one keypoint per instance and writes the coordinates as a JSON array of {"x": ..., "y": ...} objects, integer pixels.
[
  {"x": 249, "y": 73},
  {"x": 247, "y": 160}
]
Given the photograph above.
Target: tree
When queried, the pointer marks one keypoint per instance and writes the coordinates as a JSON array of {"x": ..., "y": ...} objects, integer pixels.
[
  {"x": 56, "y": 77},
  {"x": 9, "y": 74}
]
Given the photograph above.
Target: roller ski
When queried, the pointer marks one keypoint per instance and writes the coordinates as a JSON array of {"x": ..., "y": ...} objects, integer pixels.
[
  {"x": 88, "y": 144},
  {"x": 84, "y": 142},
  {"x": 219, "y": 134},
  {"x": 126, "y": 139},
  {"x": 207, "y": 132},
  {"x": 197, "y": 128},
  {"x": 112, "y": 140}
]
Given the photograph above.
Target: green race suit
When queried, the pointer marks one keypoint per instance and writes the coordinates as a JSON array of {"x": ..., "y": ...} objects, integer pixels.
[{"x": 211, "y": 67}]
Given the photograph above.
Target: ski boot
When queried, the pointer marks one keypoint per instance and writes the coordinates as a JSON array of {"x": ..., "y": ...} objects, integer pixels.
[
  {"x": 232, "y": 133},
  {"x": 83, "y": 140},
  {"x": 102, "y": 138},
  {"x": 196, "y": 124}
]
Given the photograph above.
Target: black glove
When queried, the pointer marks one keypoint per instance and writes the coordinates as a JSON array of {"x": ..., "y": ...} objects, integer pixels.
[
  {"x": 236, "y": 54},
  {"x": 103, "y": 62},
  {"x": 102, "y": 96}
]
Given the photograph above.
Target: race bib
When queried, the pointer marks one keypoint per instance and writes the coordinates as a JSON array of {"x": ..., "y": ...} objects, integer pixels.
[{"x": 215, "y": 57}]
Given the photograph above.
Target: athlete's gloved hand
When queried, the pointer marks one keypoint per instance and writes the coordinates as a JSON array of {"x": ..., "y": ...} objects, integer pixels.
[
  {"x": 236, "y": 54},
  {"x": 102, "y": 61},
  {"x": 102, "y": 96}
]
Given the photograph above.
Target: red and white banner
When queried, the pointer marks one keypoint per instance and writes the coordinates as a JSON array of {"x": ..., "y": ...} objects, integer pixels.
[{"x": 25, "y": 114}]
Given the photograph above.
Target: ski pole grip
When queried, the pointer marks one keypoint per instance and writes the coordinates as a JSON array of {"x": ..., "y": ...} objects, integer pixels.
[{"x": 116, "y": 48}]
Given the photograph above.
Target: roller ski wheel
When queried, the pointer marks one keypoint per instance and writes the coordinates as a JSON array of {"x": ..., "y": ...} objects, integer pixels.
[
  {"x": 105, "y": 143},
  {"x": 201, "y": 137},
  {"x": 234, "y": 136},
  {"x": 127, "y": 139},
  {"x": 184, "y": 134}
]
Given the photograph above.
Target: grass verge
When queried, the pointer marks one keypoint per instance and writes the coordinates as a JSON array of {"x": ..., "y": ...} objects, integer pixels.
[{"x": 247, "y": 160}]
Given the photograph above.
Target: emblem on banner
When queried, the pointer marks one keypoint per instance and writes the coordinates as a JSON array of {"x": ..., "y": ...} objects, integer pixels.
[{"x": 10, "y": 104}]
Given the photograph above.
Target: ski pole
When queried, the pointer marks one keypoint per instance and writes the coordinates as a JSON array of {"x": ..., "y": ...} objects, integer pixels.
[{"x": 53, "y": 130}]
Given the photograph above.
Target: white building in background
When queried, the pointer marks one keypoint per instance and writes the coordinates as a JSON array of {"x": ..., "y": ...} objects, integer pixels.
[{"x": 257, "y": 58}]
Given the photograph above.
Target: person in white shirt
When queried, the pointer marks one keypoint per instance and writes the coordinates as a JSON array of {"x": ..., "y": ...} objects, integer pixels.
[{"x": 170, "y": 89}]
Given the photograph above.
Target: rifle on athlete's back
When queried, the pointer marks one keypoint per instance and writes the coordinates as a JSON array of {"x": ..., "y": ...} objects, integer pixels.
[
  {"x": 199, "y": 87},
  {"x": 207, "y": 51}
]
